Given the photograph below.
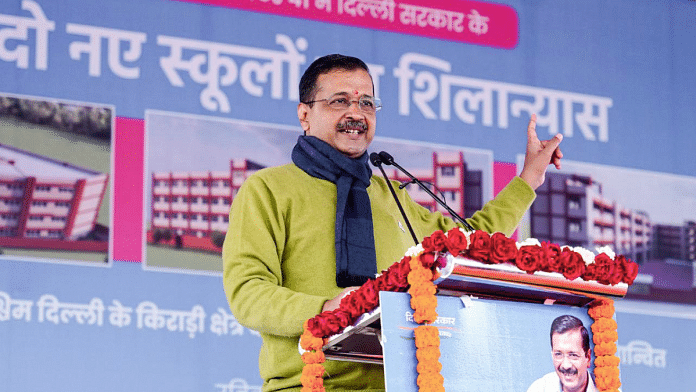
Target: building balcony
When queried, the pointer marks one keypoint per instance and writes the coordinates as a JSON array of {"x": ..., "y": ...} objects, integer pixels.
[
  {"x": 220, "y": 209},
  {"x": 199, "y": 208},
  {"x": 160, "y": 206},
  {"x": 199, "y": 225},
  {"x": 179, "y": 207},
  {"x": 180, "y": 191},
  {"x": 200, "y": 191},
  {"x": 222, "y": 192},
  {"x": 160, "y": 222},
  {"x": 161, "y": 191}
]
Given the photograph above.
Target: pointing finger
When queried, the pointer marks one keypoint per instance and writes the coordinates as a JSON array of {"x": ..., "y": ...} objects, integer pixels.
[{"x": 531, "y": 129}]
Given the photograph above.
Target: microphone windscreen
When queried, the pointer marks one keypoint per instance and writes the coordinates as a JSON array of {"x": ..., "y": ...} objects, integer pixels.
[
  {"x": 386, "y": 158},
  {"x": 375, "y": 159}
]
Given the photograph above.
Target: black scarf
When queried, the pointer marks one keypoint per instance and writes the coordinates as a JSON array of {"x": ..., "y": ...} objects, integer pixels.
[{"x": 355, "y": 242}]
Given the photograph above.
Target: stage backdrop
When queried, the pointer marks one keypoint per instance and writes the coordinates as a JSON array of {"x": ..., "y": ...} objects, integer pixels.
[{"x": 127, "y": 127}]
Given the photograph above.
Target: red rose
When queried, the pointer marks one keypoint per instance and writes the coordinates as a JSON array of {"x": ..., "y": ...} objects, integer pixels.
[
  {"x": 331, "y": 324},
  {"x": 314, "y": 326},
  {"x": 619, "y": 272},
  {"x": 354, "y": 303},
  {"x": 369, "y": 294},
  {"x": 528, "y": 258},
  {"x": 428, "y": 245},
  {"x": 590, "y": 272},
  {"x": 382, "y": 283},
  {"x": 344, "y": 318},
  {"x": 427, "y": 259},
  {"x": 605, "y": 268},
  {"x": 456, "y": 241},
  {"x": 480, "y": 246},
  {"x": 550, "y": 256},
  {"x": 397, "y": 275},
  {"x": 439, "y": 240},
  {"x": 503, "y": 249},
  {"x": 571, "y": 265},
  {"x": 631, "y": 271},
  {"x": 324, "y": 324}
]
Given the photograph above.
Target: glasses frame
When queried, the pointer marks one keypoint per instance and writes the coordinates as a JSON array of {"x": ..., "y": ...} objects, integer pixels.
[
  {"x": 567, "y": 355},
  {"x": 376, "y": 101}
]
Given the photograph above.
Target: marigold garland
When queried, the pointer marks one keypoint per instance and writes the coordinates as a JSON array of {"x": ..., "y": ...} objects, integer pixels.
[
  {"x": 605, "y": 336},
  {"x": 415, "y": 273},
  {"x": 427, "y": 337},
  {"x": 313, "y": 371}
]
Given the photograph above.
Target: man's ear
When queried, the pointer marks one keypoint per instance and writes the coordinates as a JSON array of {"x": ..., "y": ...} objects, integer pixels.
[{"x": 302, "y": 115}]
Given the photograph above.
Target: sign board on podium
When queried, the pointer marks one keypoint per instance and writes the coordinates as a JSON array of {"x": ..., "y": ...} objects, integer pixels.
[{"x": 485, "y": 345}]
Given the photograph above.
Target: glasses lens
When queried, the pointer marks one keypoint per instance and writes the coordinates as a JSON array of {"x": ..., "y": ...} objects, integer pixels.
[
  {"x": 338, "y": 102},
  {"x": 366, "y": 104}
]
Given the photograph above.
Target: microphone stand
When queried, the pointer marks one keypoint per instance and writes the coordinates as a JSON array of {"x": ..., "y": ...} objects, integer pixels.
[
  {"x": 377, "y": 161},
  {"x": 389, "y": 160}
]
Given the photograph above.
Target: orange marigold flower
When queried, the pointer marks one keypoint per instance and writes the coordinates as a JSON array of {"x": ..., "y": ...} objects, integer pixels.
[
  {"x": 605, "y": 349},
  {"x": 311, "y": 383},
  {"x": 603, "y": 324},
  {"x": 605, "y": 337},
  {"x": 424, "y": 302},
  {"x": 313, "y": 370},
  {"x": 311, "y": 342},
  {"x": 603, "y": 307},
  {"x": 607, "y": 360},
  {"x": 426, "y": 316},
  {"x": 426, "y": 354},
  {"x": 429, "y": 367},
  {"x": 424, "y": 288},
  {"x": 419, "y": 276},
  {"x": 429, "y": 380},
  {"x": 427, "y": 333},
  {"x": 311, "y": 357}
]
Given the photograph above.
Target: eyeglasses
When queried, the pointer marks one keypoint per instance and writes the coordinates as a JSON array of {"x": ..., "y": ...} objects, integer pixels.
[
  {"x": 341, "y": 102},
  {"x": 573, "y": 357}
]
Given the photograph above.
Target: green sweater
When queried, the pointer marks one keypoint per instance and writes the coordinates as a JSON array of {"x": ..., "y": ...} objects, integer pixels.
[{"x": 280, "y": 265}]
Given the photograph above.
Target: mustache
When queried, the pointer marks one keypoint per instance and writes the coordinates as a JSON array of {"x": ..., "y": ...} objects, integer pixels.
[
  {"x": 568, "y": 372},
  {"x": 352, "y": 124}
]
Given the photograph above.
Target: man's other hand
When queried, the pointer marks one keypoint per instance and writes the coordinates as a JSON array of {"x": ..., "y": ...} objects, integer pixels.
[{"x": 540, "y": 154}]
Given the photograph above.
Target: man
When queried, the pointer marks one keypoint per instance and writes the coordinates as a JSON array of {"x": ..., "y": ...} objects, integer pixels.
[
  {"x": 304, "y": 234},
  {"x": 571, "y": 354}
]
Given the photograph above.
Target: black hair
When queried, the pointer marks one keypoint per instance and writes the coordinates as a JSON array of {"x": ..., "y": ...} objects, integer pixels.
[
  {"x": 565, "y": 323},
  {"x": 322, "y": 65}
]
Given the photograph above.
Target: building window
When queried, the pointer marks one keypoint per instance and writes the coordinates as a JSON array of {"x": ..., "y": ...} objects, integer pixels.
[
  {"x": 43, "y": 188},
  {"x": 447, "y": 171}
]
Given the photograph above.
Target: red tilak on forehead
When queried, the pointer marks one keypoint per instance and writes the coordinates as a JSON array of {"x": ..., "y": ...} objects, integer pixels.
[{"x": 355, "y": 92}]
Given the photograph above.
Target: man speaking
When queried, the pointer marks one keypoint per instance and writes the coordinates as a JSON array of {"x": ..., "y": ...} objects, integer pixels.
[{"x": 304, "y": 234}]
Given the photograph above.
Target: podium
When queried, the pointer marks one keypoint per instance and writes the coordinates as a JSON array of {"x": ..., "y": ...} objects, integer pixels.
[{"x": 494, "y": 323}]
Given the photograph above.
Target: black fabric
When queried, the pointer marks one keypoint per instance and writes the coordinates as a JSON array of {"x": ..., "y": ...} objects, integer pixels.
[{"x": 355, "y": 243}]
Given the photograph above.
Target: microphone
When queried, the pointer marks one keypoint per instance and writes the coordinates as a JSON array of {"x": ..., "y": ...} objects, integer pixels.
[
  {"x": 377, "y": 161},
  {"x": 389, "y": 160}
]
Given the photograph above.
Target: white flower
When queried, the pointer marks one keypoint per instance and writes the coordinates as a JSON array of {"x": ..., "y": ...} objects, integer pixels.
[
  {"x": 414, "y": 250},
  {"x": 606, "y": 250},
  {"x": 528, "y": 242},
  {"x": 587, "y": 255},
  {"x": 468, "y": 237}
]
